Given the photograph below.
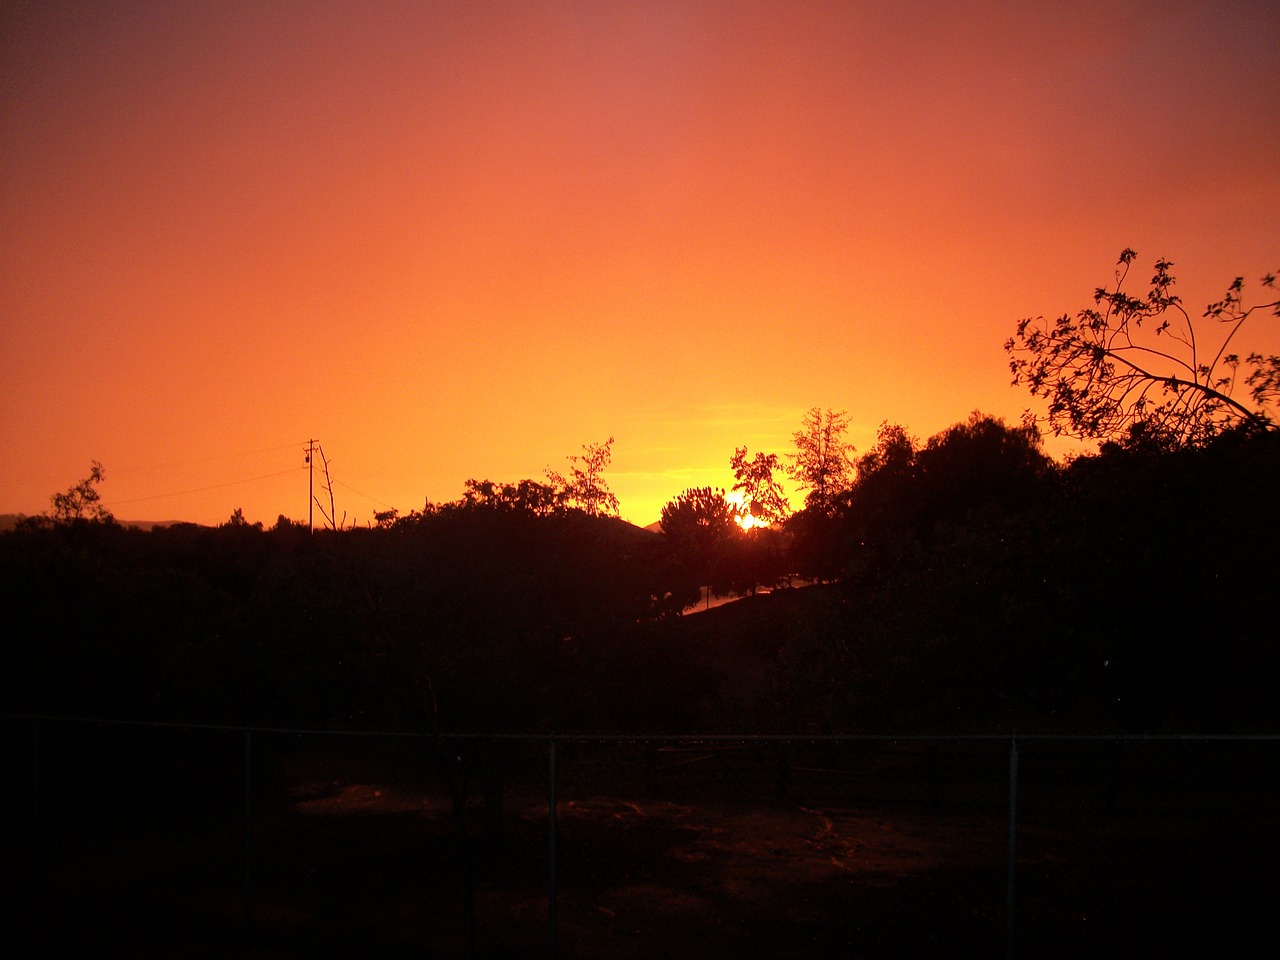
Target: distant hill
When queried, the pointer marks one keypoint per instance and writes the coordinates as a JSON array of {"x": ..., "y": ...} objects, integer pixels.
[
  {"x": 152, "y": 524},
  {"x": 628, "y": 529},
  {"x": 10, "y": 520}
]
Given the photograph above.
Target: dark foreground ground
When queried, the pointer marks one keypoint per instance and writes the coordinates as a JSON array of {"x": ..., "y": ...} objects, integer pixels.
[{"x": 375, "y": 848}]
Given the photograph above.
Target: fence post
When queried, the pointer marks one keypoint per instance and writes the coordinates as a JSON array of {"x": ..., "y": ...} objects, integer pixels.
[
  {"x": 551, "y": 847},
  {"x": 37, "y": 845},
  {"x": 1013, "y": 843},
  {"x": 782, "y": 771},
  {"x": 40, "y": 892},
  {"x": 932, "y": 773},
  {"x": 650, "y": 767},
  {"x": 248, "y": 833}
]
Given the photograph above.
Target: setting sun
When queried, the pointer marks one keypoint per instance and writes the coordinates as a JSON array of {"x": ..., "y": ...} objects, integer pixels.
[{"x": 743, "y": 518}]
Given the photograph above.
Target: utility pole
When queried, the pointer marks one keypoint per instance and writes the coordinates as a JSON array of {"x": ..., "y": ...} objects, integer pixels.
[{"x": 311, "y": 488}]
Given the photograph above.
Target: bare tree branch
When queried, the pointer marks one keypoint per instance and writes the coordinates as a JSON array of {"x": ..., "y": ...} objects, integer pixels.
[{"x": 1105, "y": 377}]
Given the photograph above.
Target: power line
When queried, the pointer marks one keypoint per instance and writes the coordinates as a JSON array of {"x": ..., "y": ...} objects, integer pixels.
[
  {"x": 220, "y": 456},
  {"x": 361, "y": 493},
  {"x": 310, "y": 447},
  {"x": 216, "y": 486}
]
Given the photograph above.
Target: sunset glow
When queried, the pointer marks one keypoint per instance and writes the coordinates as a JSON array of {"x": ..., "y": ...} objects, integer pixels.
[
  {"x": 457, "y": 241},
  {"x": 744, "y": 519}
]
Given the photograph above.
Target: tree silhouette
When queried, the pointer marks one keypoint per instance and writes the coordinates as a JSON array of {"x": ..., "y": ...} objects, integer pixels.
[
  {"x": 823, "y": 461},
  {"x": 526, "y": 496},
  {"x": 882, "y": 510},
  {"x": 1134, "y": 367},
  {"x": 81, "y": 501},
  {"x": 979, "y": 463},
  {"x": 699, "y": 525},
  {"x": 893, "y": 453},
  {"x": 764, "y": 497},
  {"x": 585, "y": 486},
  {"x": 238, "y": 520}
]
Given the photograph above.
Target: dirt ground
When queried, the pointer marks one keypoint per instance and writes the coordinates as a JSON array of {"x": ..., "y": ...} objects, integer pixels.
[
  {"x": 374, "y": 867},
  {"x": 336, "y": 862}
]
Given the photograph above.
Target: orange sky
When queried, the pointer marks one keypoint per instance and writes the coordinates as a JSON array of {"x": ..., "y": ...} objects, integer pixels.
[{"x": 457, "y": 240}]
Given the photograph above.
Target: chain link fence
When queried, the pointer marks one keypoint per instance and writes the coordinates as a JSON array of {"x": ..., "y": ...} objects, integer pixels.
[{"x": 177, "y": 841}]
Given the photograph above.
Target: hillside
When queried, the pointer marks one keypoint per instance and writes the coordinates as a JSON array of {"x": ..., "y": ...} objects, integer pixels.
[{"x": 9, "y": 521}]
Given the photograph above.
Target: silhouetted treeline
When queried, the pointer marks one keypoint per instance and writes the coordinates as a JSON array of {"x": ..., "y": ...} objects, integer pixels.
[
  {"x": 967, "y": 582},
  {"x": 984, "y": 587},
  {"x": 468, "y": 618}
]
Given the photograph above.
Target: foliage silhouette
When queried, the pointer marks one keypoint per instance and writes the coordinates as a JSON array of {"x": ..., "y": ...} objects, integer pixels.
[
  {"x": 1136, "y": 366},
  {"x": 237, "y": 519},
  {"x": 701, "y": 527},
  {"x": 976, "y": 586},
  {"x": 823, "y": 461},
  {"x": 755, "y": 479},
  {"x": 585, "y": 486},
  {"x": 1092, "y": 596},
  {"x": 81, "y": 501},
  {"x": 528, "y": 496}
]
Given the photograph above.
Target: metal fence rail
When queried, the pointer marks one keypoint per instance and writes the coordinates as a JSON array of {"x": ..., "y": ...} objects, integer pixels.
[{"x": 179, "y": 840}]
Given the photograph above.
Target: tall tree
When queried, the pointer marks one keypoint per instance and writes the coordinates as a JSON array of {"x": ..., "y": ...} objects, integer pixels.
[
  {"x": 700, "y": 525},
  {"x": 881, "y": 512},
  {"x": 763, "y": 496},
  {"x": 585, "y": 486},
  {"x": 981, "y": 461},
  {"x": 823, "y": 461},
  {"x": 894, "y": 451},
  {"x": 1138, "y": 367}
]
